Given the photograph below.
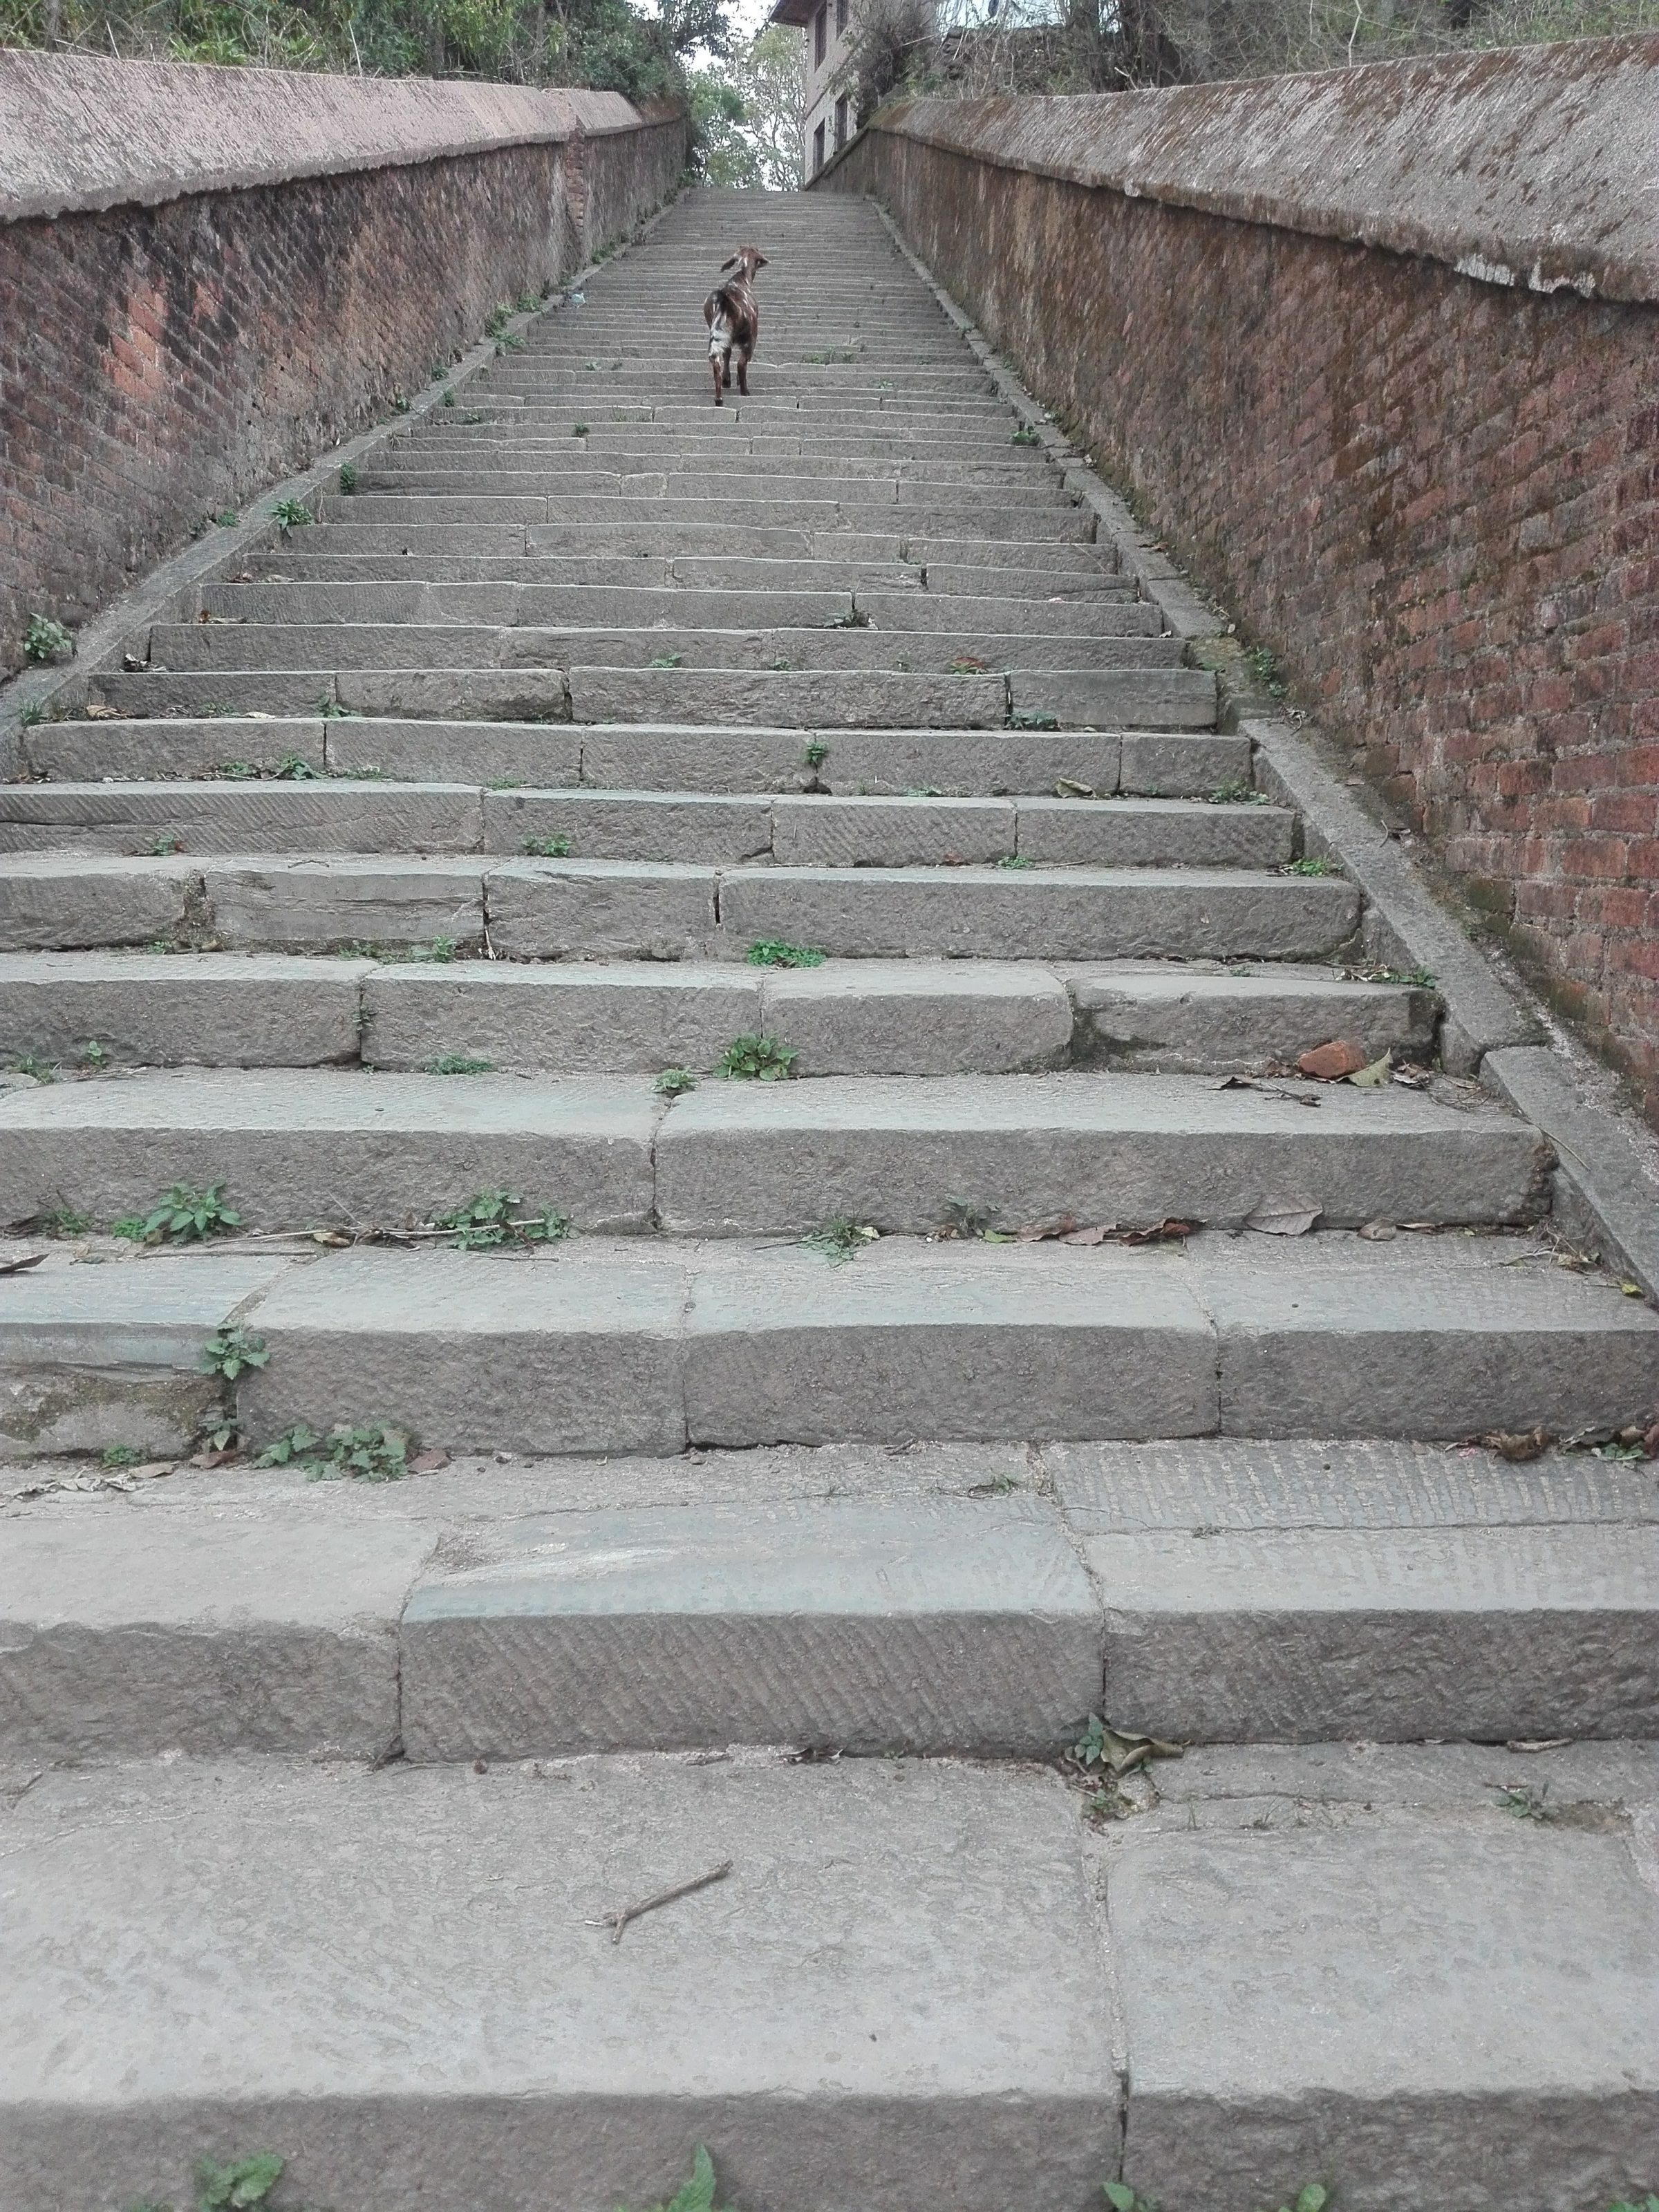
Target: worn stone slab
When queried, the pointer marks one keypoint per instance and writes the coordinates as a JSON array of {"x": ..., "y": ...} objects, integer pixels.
[
  {"x": 72, "y": 752},
  {"x": 49, "y": 901},
  {"x": 1237, "y": 1483},
  {"x": 575, "y": 1350},
  {"x": 764, "y": 1158},
  {"x": 1182, "y": 764},
  {"x": 890, "y": 833},
  {"x": 548, "y": 909},
  {"x": 339, "y": 817},
  {"x": 632, "y": 826},
  {"x": 131, "y": 1633},
  {"x": 297, "y": 1146},
  {"x": 1170, "y": 698},
  {"x": 346, "y": 903},
  {"x": 205, "y": 1008},
  {"x": 95, "y": 1356},
  {"x": 1085, "y": 615},
  {"x": 827, "y": 699},
  {"x": 918, "y": 1017},
  {"x": 1176, "y": 1019},
  {"x": 857, "y": 763},
  {"x": 253, "y": 645},
  {"x": 573, "y": 1019},
  {"x": 963, "y": 1624},
  {"x": 903, "y": 1953},
  {"x": 913, "y": 1341},
  {"x": 508, "y": 695},
  {"x": 1482, "y": 2032},
  {"x": 1311, "y": 1635},
  {"x": 537, "y": 753},
  {"x": 1039, "y": 915},
  {"x": 1135, "y": 833},
  {"x": 226, "y": 693},
  {"x": 1421, "y": 1338}
]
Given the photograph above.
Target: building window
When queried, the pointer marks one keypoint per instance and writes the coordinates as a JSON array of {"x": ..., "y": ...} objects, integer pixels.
[
  {"x": 817, "y": 146},
  {"x": 843, "y": 9},
  {"x": 840, "y": 122},
  {"x": 820, "y": 36}
]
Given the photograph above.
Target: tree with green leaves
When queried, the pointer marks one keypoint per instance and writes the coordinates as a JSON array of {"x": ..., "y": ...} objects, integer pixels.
[{"x": 747, "y": 109}]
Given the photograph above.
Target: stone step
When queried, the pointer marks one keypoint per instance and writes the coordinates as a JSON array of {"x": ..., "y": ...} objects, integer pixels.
[
  {"x": 675, "y": 638},
  {"x": 863, "y": 1018},
  {"x": 1090, "y": 698},
  {"x": 639, "y": 1345},
  {"x": 390, "y": 555},
  {"x": 764, "y": 480},
  {"x": 971, "y": 1598},
  {"x": 299, "y": 1148},
  {"x": 903, "y": 554},
  {"x": 625, "y": 606},
  {"x": 337, "y": 814},
  {"x": 950, "y": 1907},
  {"x": 541, "y": 909},
  {"x": 851, "y": 763},
  {"x": 920, "y": 517}
]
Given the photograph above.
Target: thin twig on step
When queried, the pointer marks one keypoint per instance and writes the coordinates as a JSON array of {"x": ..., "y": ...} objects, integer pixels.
[{"x": 616, "y": 1922}]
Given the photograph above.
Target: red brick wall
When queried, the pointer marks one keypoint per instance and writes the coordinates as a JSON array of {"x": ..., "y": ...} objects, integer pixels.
[
  {"x": 1436, "y": 498},
  {"x": 159, "y": 364}
]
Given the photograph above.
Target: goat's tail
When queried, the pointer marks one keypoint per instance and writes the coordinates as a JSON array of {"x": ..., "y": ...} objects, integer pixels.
[{"x": 721, "y": 334}]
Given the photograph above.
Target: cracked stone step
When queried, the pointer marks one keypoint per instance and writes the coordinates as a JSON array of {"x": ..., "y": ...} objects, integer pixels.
[
  {"x": 209, "y": 1009},
  {"x": 640, "y": 603},
  {"x": 298, "y": 1147},
  {"x": 911, "y": 1998},
  {"x": 933, "y": 517}
]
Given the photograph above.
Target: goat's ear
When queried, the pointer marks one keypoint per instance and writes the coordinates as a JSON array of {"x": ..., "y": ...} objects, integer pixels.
[
  {"x": 731, "y": 262},
  {"x": 760, "y": 261}
]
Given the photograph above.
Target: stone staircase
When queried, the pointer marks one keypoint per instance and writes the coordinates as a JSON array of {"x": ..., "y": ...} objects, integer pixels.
[{"x": 1041, "y": 1344}]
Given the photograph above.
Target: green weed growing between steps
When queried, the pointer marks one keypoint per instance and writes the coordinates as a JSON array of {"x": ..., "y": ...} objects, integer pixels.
[
  {"x": 494, "y": 1219},
  {"x": 181, "y": 1216},
  {"x": 370, "y": 1451},
  {"x": 757, "y": 1059},
  {"x": 779, "y": 953}
]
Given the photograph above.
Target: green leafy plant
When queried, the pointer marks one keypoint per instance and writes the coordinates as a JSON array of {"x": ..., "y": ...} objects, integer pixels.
[
  {"x": 579, "y": 429},
  {"x": 1015, "y": 860},
  {"x": 237, "y": 771},
  {"x": 857, "y": 619},
  {"x": 161, "y": 846},
  {"x": 493, "y": 1219},
  {"x": 64, "y": 1221},
  {"x": 1313, "y": 2197},
  {"x": 368, "y": 1452},
  {"x": 32, "y": 716},
  {"x": 1033, "y": 718},
  {"x": 1647, "y": 2203},
  {"x": 675, "y": 1082},
  {"x": 30, "y": 1064},
  {"x": 332, "y": 711},
  {"x": 94, "y": 1055},
  {"x": 348, "y": 477},
  {"x": 229, "y": 1352},
  {"x": 399, "y": 404},
  {"x": 119, "y": 1456},
  {"x": 447, "y": 397},
  {"x": 697, "y": 2193},
  {"x": 839, "y": 1237},
  {"x": 1122, "y": 2198},
  {"x": 1262, "y": 664},
  {"x": 45, "y": 639},
  {"x": 1420, "y": 979},
  {"x": 292, "y": 514},
  {"x": 1025, "y": 435},
  {"x": 778, "y": 953},
  {"x": 547, "y": 848},
  {"x": 441, "y": 950},
  {"x": 294, "y": 767},
  {"x": 966, "y": 664},
  {"x": 227, "y": 518},
  {"x": 964, "y": 1219},
  {"x": 757, "y": 1059},
  {"x": 817, "y": 752},
  {"x": 181, "y": 1216},
  {"x": 665, "y": 660},
  {"x": 830, "y": 354},
  {"x": 460, "y": 1063},
  {"x": 1237, "y": 793},
  {"x": 1309, "y": 866}
]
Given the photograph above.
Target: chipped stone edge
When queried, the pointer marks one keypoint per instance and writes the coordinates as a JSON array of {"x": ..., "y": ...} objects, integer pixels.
[
  {"x": 168, "y": 591},
  {"x": 1601, "y": 1193}
]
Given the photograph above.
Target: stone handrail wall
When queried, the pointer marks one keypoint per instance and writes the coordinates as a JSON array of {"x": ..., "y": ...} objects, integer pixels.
[
  {"x": 207, "y": 276},
  {"x": 1376, "y": 351}
]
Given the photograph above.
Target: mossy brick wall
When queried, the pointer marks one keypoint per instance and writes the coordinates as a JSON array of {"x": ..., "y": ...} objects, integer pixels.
[
  {"x": 1436, "y": 498},
  {"x": 161, "y": 363}
]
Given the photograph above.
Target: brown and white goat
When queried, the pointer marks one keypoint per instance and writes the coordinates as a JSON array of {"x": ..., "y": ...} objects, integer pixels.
[{"x": 732, "y": 314}]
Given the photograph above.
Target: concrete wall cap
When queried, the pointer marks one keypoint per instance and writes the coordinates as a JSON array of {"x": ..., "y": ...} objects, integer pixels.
[
  {"x": 79, "y": 133},
  {"x": 1535, "y": 166}
]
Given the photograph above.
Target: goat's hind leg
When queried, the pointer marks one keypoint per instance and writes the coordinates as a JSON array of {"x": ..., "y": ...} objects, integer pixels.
[
  {"x": 714, "y": 364},
  {"x": 743, "y": 372}
]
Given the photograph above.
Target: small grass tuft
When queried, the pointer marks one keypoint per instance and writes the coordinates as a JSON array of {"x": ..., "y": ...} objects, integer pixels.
[
  {"x": 674, "y": 1083},
  {"x": 460, "y": 1063},
  {"x": 294, "y": 767},
  {"x": 1033, "y": 718},
  {"x": 1309, "y": 867},
  {"x": 665, "y": 660},
  {"x": 856, "y": 620},
  {"x": 1025, "y": 435},
  {"x": 547, "y": 848},
  {"x": 227, "y": 518},
  {"x": 817, "y": 752},
  {"x": 371, "y": 1451},
  {"x": 579, "y": 429},
  {"x": 292, "y": 514},
  {"x": 778, "y": 953},
  {"x": 757, "y": 1059},
  {"x": 1015, "y": 860},
  {"x": 118, "y": 1456},
  {"x": 447, "y": 397},
  {"x": 493, "y": 1219},
  {"x": 1262, "y": 663},
  {"x": 1238, "y": 793},
  {"x": 348, "y": 477},
  {"x": 839, "y": 1237},
  {"x": 30, "y": 1064},
  {"x": 441, "y": 951},
  {"x": 64, "y": 1221}
]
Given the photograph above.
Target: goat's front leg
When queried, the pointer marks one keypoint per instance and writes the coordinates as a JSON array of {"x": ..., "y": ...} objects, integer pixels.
[{"x": 743, "y": 373}]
